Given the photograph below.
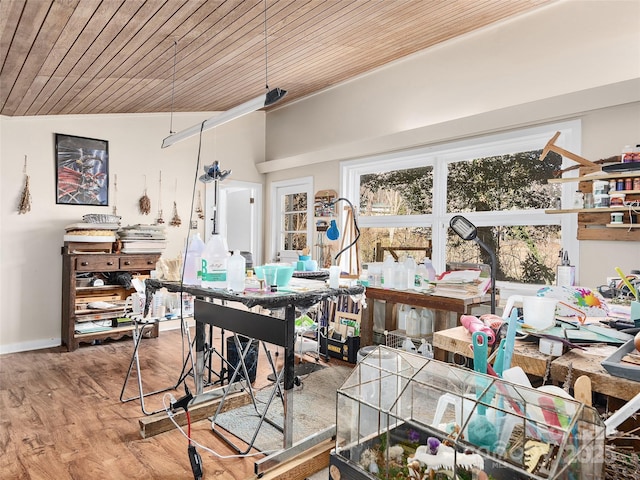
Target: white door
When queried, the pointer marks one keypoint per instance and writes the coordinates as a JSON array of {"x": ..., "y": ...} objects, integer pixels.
[{"x": 239, "y": 215}]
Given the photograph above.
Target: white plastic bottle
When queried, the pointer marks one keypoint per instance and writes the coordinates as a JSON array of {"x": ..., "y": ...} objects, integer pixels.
[
  {"x": 236, "y": 271},
  {"x": 422, "y": 276},
  {"x": 426, "y": 321},
  {"x": 413, "y": 323},
  {"x": 403, "y": 311},
  {"x": 214, "y": 262},
  {"x": 400, "y": 279},
  {"x": 193, "y": 260},
  {"x": 431, "y": 272},
  {"x": 410, "y": 266},
  {"x": 388, "y": 272}
]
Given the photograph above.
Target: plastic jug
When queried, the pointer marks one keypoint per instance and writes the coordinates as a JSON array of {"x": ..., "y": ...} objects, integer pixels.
[
  {"x": 410, "y": 266},
  {"x": 388, "y": 272},
  {"x": 236, "y": 271},
  {"x": 413, "y": 323},
  {"x": 400, "y": 278},
  {"x": 426, "y": 321},
  {"x": 193, "y": 260},
  {"x": 431, "y": 271},
  {"x": 422, "y": 276},
  {"x": 214, "y": 262},
  {"x": 403, "y": 311}
]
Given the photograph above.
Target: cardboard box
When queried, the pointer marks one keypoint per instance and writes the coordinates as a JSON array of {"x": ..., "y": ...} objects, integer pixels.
[{"x": 347, "y": 350}]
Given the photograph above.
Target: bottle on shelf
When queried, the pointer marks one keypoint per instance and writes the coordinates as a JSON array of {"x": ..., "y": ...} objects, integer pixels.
[
  {"x": 422, "y": 276},
  {"x": 193, "y": 260},
  {"x": 403, "y": 311},
  {"x": 578, "y": 199},
  {"x": 431, "y": 271},
  {"x": 413, "y": 323},
  {"x": 214, "y": 262},
  {"x": 388, "y": 272},
  {"x": 426, "y": 321},
  {"x": 410, "y": 266},
  {"x": 400, "y": 279},
  {"x": 236, "y": 271}
]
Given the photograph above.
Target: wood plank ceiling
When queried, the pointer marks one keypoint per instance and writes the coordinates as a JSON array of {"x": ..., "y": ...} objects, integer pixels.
[{"x": 117, "y": 56}]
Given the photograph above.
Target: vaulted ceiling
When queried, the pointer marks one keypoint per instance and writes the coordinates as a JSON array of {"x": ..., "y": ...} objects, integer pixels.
[{"x": 131, "y": 56}]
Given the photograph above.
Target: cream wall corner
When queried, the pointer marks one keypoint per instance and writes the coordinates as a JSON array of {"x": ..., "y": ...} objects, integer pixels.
[{"x": 30, "y": 259}]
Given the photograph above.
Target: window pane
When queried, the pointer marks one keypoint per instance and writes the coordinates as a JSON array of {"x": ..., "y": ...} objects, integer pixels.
[
  {"x": 525, "y": 254},
  {"x": 295, "y": 241},
  {"x": 396, "y": 237},
  {"x": 505, "y": 182},
  {"x": 295, "y": 202},
  {"x": 399, "y": 192}
]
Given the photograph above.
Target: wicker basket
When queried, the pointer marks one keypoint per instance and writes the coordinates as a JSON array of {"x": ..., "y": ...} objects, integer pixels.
[{"x": 101, "y": 218}]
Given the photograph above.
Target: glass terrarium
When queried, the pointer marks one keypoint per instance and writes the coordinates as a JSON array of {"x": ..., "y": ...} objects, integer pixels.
[{"x": 403, "y": 416}]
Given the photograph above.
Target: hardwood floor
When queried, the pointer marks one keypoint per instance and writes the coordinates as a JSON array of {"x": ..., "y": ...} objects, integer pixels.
[{"x": 61, "y": 416}]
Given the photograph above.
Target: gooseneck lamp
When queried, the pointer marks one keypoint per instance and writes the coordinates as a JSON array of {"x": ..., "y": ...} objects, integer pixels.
[{"x": 468, "y": 231}]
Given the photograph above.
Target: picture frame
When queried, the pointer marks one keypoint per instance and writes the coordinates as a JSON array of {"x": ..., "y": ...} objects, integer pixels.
[{"x": 82, "y": 170}]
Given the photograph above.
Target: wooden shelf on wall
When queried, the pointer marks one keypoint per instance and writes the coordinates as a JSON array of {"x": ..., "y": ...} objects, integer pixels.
[
  {"x": 623, "y": 225},
  {"x": 596, "y": 226},
  {"x": 596, "y": 176},
  {"x": 595, "y": 223}
]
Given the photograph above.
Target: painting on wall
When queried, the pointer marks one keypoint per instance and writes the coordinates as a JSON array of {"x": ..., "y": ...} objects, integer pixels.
[{"x": 82, "y": 170}]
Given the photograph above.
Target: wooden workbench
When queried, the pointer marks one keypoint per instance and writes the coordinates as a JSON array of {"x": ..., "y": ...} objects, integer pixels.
[
  {"x": 527, "y": 356},
  {"x": 443, "y": 306}
]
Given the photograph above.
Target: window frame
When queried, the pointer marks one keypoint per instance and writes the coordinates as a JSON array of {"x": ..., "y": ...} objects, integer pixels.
[{"x": 441, "y": 155}]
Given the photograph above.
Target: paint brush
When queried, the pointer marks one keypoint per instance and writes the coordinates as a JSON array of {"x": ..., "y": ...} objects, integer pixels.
[{"x": 626, "y": 281}]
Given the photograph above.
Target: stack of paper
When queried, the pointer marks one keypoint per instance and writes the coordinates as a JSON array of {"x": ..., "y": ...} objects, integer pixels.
[
  {"x": 143, "y": 239},
  {"x": 462, "y": 283}
]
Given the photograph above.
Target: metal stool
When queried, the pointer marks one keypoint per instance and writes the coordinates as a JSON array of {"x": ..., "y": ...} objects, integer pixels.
[{"x": 140, "y": 324}]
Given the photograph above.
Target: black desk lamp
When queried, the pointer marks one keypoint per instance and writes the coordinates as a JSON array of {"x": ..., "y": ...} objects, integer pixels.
[{"x": 468, "y": 231}]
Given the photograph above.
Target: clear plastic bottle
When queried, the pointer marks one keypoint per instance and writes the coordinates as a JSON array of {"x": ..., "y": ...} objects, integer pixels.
[
  {"x": 413, "y": 323},
  {"x": 193, "y": 259},
  {"x": 214, "y": 262},
  {"x": 388, "y": 272},
  {"x": 431, "y": 272},
  {"x": 236, "y": 271},
  {"x": 410, "y": 266}
]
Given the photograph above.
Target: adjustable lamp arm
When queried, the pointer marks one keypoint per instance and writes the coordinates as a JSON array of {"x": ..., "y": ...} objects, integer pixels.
[
  {"x": 493, "y": 274},
  {"x": 468, "y": 231},
  {"x": 355, "y": 224}
]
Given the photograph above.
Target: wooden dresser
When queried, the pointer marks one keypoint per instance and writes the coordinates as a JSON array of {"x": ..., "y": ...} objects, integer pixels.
[{"x": 89, "y": 276}]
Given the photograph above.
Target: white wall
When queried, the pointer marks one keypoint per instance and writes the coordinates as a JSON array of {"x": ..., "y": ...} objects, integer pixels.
[
  {"x": 571, "y": 60},
  {"x": 30, "y": 261},
  {"x": 553, "y": 52}
]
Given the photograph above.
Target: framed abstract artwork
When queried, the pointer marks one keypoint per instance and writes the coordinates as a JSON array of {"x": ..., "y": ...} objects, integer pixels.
[{"x": 82, "y": 170}]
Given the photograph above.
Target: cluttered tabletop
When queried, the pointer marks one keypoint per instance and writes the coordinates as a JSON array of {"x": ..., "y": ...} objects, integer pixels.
[{"x": 559, "y": 346}]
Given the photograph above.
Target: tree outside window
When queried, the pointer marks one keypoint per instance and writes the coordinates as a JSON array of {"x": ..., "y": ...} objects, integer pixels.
[{"x": 507, "y": 187}]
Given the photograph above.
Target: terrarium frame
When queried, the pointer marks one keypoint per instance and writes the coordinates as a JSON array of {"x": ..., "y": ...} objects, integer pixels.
[{"x": 401, "y": 415}]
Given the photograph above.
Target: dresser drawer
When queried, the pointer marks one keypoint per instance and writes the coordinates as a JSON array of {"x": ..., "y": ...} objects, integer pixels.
[
  {"x": 97, "y": 263},
  {"x": 138, "y": 262}
]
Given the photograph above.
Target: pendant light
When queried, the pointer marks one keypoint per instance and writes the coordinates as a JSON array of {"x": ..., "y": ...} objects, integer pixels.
[{"x": 264, "y": 100}]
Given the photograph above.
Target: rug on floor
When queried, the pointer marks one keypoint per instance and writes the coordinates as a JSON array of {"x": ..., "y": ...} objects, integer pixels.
[{"x": 314, "y": 409}]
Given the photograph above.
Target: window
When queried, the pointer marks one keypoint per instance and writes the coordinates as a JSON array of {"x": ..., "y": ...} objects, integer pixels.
[
  {"x": 293, "y": 207},
  {"x": 497, "y": 182}
]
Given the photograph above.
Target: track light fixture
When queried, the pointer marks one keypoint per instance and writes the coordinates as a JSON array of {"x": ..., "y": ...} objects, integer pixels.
[{"x": 272, "y": 96}]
